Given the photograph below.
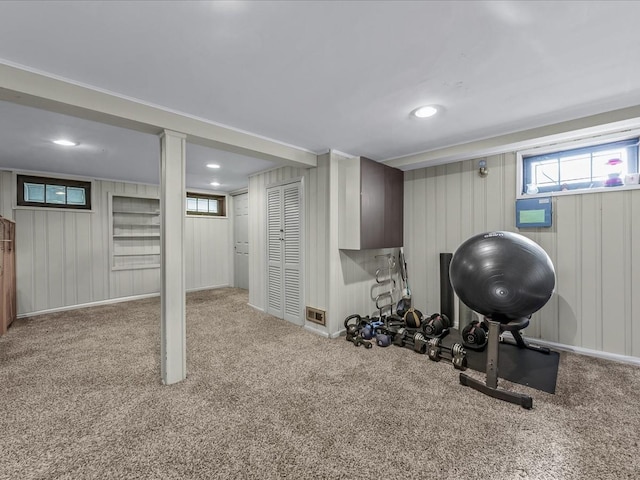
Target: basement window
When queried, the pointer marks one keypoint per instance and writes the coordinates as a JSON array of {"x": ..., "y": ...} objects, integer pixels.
[
  {"x": 606, "y": 165},
  {"x": 53, "y": 192},
  {"x": 206, "y": 205}
]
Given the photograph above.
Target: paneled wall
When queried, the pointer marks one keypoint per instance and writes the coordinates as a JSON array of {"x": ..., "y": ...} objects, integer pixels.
[
  {"x": 340, "y": 282},
  {"x": 63, "y": 256},
  {"x": 352, "y": 273},
  {"x": 317, "y": 234},
  {"x": 591, "y": 243},
  {"x": 258, "y": 185}
]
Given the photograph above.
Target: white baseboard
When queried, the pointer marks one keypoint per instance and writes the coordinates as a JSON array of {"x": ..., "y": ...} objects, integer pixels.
[
  {"x": 338, "y": 333},
  {"x": 210, "y": 287},
  {"x": 109, "y": 301},
  {"x": 257, "y": 308},
  {"x": 311, "y": 328},
  {"x": 580, "y": 350}
]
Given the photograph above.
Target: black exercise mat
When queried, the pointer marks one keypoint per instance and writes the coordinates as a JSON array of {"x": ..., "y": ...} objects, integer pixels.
[{"x": 519, "y": 365}]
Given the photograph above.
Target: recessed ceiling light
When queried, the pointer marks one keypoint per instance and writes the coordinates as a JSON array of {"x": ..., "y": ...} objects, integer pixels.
[
  {"x": 213, "y": 165},
  {"x": 425, "y": 112},
  {"x": 65, "y": 143},
  {"x": 215, "y": 184}
]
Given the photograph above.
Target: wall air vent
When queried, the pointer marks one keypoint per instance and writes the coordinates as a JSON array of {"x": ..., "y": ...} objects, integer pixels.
[{"x": 316, "y": 316}]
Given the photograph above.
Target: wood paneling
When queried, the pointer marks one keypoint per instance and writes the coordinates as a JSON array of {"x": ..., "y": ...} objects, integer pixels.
[
  {"x": 591, "y": 244},
  {"x": 63, "y": 256}
]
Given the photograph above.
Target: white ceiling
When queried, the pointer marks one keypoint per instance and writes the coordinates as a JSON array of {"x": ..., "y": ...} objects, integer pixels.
[{"x": 319, "y": 75}]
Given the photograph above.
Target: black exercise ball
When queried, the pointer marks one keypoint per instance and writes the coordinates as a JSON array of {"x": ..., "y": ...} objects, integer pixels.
[{"x": 502, "y": 275}]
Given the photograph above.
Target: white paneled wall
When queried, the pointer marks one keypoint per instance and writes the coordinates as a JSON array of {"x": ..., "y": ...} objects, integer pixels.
[
  {"x": 591, "y": 244},
  {"x": 340, "y": 282},
  {"x": 317, "y": 234},
  {"x": 208, "y": 251},
  {"x": 352, "y": 282},
  {"x": 258, "y": 185},
  {"x": 63, "y": 256}
]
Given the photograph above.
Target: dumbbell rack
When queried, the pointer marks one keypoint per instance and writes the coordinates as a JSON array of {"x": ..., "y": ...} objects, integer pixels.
[{"x": 490, "y": 386}]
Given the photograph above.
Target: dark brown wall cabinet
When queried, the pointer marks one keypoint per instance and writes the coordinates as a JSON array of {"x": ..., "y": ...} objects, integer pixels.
[{"x": 371, "y": 197}]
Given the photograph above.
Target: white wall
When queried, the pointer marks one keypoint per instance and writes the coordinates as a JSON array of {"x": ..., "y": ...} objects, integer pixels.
[
  {"x": 63, "y": 256},
  {"x": 591, "y": 244}
]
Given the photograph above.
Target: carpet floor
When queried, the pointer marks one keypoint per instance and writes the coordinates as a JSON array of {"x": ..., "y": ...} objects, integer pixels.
[{"x": 81, "y": 398}]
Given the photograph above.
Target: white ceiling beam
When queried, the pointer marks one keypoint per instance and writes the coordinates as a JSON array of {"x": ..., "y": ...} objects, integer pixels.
[
  {"x": 35, "y": 89},
  {"x": 600, "y": 124}
]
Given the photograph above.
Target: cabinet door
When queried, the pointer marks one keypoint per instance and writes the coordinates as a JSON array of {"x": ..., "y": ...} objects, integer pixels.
[
  {"x": 372, "y": 194},
  {"x": 393, "y": 207}
]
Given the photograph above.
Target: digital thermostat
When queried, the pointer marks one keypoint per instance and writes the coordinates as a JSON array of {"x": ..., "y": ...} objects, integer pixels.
[{"x": 533, "y": 212}]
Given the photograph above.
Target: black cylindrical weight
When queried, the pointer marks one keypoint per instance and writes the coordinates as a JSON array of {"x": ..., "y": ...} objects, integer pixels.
[{"x": 446, "y": 290}]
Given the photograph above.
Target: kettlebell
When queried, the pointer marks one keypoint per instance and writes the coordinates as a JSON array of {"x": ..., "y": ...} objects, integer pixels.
[
  {"x": 367, "y": 332},
  {"x": 383, "y": 340}
]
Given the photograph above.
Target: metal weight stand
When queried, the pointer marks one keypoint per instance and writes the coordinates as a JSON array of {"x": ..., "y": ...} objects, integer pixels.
[
  {"x": 490, "y": 387},
  {"x": 384, "y": 301}
]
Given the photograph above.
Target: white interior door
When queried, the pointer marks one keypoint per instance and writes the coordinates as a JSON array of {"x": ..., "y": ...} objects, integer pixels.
[
  {"x": 285, "y": 252},
  {"x": 241, "y": 240}
]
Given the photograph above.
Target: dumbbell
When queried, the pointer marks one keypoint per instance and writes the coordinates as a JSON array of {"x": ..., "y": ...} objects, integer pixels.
[
  {"x": 437, "y": 325},
  {"x": 475, "y": 335},
  {"x": 411, "y": 338},
  {"x": 456, "y": 352}
]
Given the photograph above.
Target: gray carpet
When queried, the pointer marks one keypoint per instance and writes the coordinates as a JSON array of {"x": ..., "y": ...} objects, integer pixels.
[{"x": 81, "y": 398}]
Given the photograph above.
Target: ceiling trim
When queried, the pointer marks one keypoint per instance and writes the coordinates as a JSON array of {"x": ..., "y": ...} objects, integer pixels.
[
  {"x": 24, "y": 86},
  {"x": 602, "y": 123}
]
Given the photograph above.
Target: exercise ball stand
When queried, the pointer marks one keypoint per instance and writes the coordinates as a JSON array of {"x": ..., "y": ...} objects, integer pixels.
[{"x": 490, "y": 387}]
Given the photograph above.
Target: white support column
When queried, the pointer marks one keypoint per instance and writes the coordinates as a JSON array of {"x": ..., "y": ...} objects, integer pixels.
[{"x": 173, "y": 344}]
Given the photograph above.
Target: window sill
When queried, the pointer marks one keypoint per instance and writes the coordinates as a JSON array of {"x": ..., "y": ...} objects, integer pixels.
[
  {"x": 565, "y": 193},
  {"x": 208, "y": 216},
  {"x": 53, "y": 209}
]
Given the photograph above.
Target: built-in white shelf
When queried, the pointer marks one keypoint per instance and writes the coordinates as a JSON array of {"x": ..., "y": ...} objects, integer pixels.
[
  {"x": 134, "y": 231},
  {"x": 138, "y": 235}
]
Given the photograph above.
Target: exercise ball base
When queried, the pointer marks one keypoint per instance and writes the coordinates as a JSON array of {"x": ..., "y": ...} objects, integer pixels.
[{"x": 525, "y": 401}]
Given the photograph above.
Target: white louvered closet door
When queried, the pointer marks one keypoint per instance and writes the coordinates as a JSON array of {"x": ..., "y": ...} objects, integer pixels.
[{"x": 284, "y": 252}]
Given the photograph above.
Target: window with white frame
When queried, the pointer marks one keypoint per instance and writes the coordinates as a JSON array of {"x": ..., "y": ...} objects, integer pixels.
[{"x": 588, "y": 167}]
